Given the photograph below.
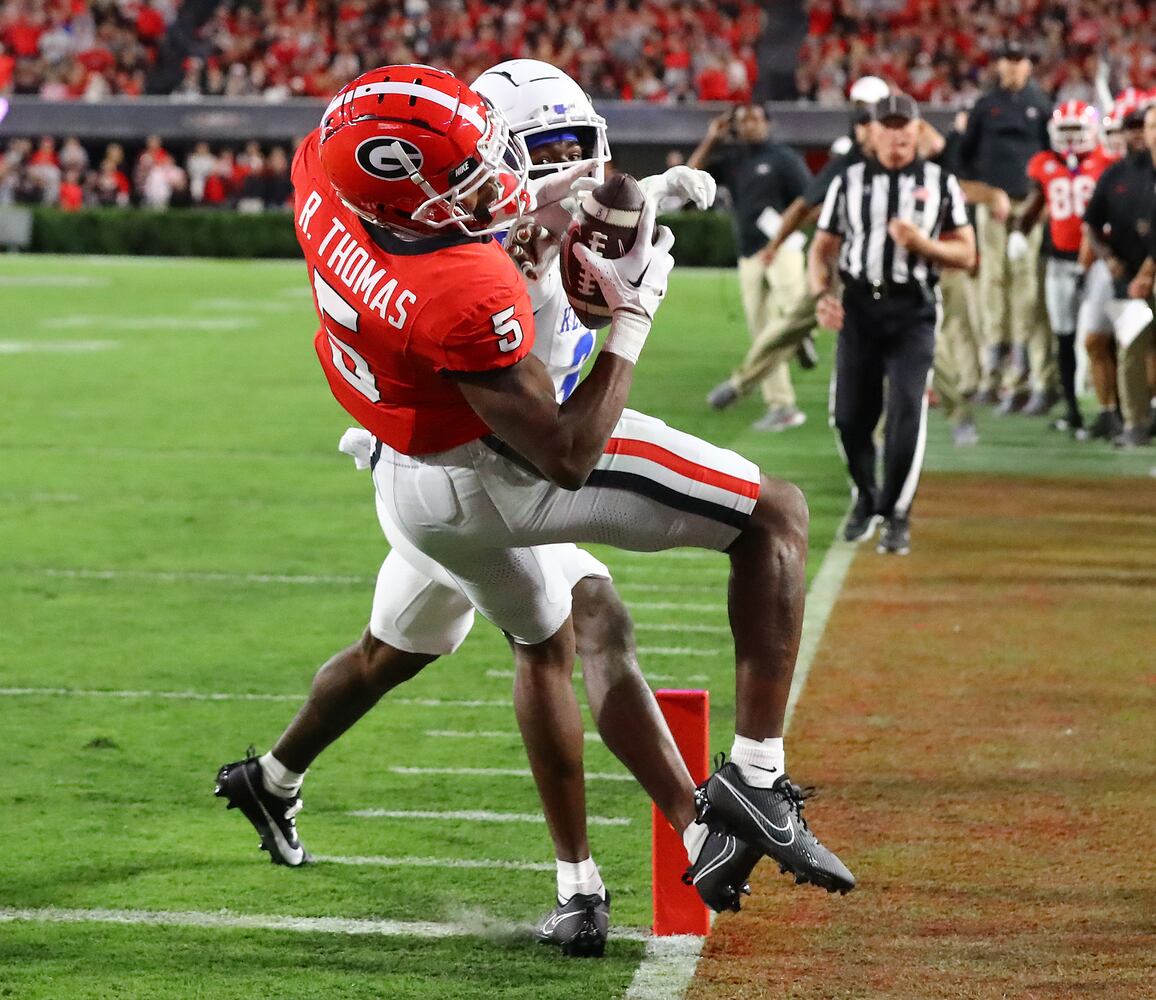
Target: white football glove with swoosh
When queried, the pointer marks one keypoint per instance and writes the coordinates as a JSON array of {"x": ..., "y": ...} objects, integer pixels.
[
  {"x": 673, "y": 188},
  {"x": 633, "y": 285}
]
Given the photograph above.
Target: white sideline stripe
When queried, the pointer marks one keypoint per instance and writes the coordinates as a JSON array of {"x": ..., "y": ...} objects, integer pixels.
[
  {"x": 490, "y": 734},
  {"x": 497, "y": 772},
  {"x": 476, "y": 816},
  {"x": 225, "y": 920},
  {"x": 668, "y": 965},
  {"x": 384, "y": 862},
  {"x": 821, "y": 599},
  {"x": 34, "y": 692},
  {"x": 56, "y": 346},
  {"x": 666, "y": 969}
]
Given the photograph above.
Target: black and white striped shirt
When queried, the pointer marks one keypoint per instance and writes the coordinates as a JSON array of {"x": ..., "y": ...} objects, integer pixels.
[{"x": 865, "y": 196}]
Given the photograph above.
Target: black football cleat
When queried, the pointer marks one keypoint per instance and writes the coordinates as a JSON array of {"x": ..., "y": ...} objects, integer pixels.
[
  {"x": 579, "y": 925},
  {"x": 771, "y": 821},
  {"x": 720, "y": 874},
  {"x": 274, "y": 817},
  {"x": 861, "y": 520}
]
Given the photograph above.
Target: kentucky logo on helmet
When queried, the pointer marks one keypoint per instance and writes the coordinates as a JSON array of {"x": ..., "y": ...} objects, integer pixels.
[{"x": 388, "y": 158}]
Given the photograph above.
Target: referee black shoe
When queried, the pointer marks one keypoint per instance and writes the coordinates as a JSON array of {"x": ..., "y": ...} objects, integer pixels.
[
  {"x": 579, "y": 925},
  {"x": 771, "y": 821},
  {"x": 273, "y": 817},
  {"x": 896, "y": 536},
  {"x": 721, "y": 871},
  {"x": 861, "y": 520}
]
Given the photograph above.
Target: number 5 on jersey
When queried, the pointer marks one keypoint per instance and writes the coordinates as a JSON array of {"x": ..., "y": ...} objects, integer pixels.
[
  {"x": 351, "y": 365},
  {"x": 507, "y": 329}
]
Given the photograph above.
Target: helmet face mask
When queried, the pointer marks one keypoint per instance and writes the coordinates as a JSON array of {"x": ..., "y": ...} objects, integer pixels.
[
  {"x": 542, "y": 104},
  {"x": 1073, "y": 128},
  {"x": 411, "y": 148}
]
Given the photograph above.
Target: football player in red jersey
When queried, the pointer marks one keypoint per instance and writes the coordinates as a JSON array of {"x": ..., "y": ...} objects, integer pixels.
[
  {"x": 426, "y": 342},
  {"x": 1065, "y": 177}
]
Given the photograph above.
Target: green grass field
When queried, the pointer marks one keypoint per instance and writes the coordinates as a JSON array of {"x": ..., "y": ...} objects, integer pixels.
[{"x": 181, "y": 545}]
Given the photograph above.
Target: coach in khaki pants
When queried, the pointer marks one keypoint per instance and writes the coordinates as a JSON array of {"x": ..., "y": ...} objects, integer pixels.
[
  {"x": 770, "y": 293},
  {"x": 1007, "y": 126},
  {"x": 764, "y": 178}
]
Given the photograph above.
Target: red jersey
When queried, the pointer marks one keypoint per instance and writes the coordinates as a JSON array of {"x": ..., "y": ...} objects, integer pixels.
[
  {"x": 1067, "y": 192},
  {"x": 397, "y": 318}
]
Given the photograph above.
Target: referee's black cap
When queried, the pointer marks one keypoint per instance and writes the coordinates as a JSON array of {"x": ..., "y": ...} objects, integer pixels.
[{"x": 895, "y": 107}]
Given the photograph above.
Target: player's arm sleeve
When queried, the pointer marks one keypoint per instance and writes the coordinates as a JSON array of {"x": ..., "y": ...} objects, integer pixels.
[
  {"x": 831, "y": 215},
  {"x": 956, "y": 206},
  {"x": 496, "y": 332}
]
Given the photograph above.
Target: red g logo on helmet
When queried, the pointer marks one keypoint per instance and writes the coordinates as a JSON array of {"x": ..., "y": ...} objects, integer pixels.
[
  {"x": 413, "y": 148},
  {"x": 389, "y": 159}
]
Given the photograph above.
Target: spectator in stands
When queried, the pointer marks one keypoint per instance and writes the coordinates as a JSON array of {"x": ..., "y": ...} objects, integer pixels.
[
  {"x": 71, "y": 197},
  {"x": 200, "y": 166}
]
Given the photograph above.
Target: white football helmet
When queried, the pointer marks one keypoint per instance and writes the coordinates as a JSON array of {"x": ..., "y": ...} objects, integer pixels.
[
  {"x": 1074, "y": 128},
  {"x": 542, "y": 103}
]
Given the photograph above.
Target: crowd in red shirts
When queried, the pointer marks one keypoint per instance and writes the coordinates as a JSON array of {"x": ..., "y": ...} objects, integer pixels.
[
  {"x": 662, "y": 51},
  {"x": 79, "y": 49},
  {"x": 65, "y": 176},
  {"x": 937, "y": 50}
]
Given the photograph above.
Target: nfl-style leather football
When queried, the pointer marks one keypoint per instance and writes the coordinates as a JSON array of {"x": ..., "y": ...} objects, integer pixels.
[{"x": 607, "y": 223}]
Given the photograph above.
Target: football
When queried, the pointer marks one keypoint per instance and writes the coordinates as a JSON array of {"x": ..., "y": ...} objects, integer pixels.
[{"x": 607, "y": 223}]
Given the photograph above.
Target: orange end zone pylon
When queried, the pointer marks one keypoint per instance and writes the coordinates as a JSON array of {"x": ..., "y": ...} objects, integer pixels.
[{"x": 677, "y": 907}]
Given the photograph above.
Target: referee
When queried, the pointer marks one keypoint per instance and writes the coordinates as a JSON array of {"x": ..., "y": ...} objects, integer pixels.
[{"x": 887, "y": 225}]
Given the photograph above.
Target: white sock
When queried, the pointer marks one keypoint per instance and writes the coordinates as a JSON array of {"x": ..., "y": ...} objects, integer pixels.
[
  {"x": 693, "y": 837},
  {"x": 278, "y": 779},
  {"x": 760, "y": 762},
  {"x": 579, "y": 876}
]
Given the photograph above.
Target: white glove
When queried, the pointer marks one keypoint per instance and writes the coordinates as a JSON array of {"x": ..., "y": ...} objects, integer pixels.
[
  {"x": 633, "y": 285},
  {"x": 678, "y": 185},
  {"x": 1017, "y": 246},
  {"x": 551, "y": 194},
  {"x": 358, "y": 444}
]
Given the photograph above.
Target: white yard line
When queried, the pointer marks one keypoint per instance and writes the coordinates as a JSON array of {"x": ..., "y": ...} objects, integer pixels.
[
  {"x": 224, "y": 919},
  {"x": 56, "y": 346},
  {"x": 476, "y": 816},
  {"x": 166, "y": 576},
  {"x": 39, "y": 692},
  {"x": 485, "y": 863},
  {"x": 667, "y": 969},
  {"x": 490, "y": 734},
  {"x": 685, "y": 627},
  {"x": 676, "y": 651},
  {"x": 674, "y": 606},
  {"x": 496, "y": 772}
]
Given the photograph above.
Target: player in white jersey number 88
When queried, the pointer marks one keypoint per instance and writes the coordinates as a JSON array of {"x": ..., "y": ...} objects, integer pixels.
[{"x": 419, "y": 613}]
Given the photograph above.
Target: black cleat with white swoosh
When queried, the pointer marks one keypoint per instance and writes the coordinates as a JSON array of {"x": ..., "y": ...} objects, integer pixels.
[
  {"x": 771, "y": 821},
  {"x": 721, "y": 871},
  {"x": 578, "y": 925},
  {"x": 274, "y": 817}
]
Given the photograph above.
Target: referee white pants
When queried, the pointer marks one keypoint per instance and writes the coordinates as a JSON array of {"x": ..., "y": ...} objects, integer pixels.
[{"x": 484, "y": 518}]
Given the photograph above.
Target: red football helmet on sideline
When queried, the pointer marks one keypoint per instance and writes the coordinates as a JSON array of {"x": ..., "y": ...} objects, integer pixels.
[
  {"x": 406, "y": 146},
  {"x": 1073, "y": 128}
]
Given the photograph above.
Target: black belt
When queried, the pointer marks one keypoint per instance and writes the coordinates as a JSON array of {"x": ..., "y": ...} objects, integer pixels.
[
  {"x": 496, "y": 444},
  {"x": 908, "y": 291}
]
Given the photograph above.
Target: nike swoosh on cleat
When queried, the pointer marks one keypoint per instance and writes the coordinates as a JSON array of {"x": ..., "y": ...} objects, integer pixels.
[
  {"x": 638, "y": 283},
  {"x": 551, "y": 924},
  {"x": 291, "y": 854},
  {"x": 763, "y": 822}
]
